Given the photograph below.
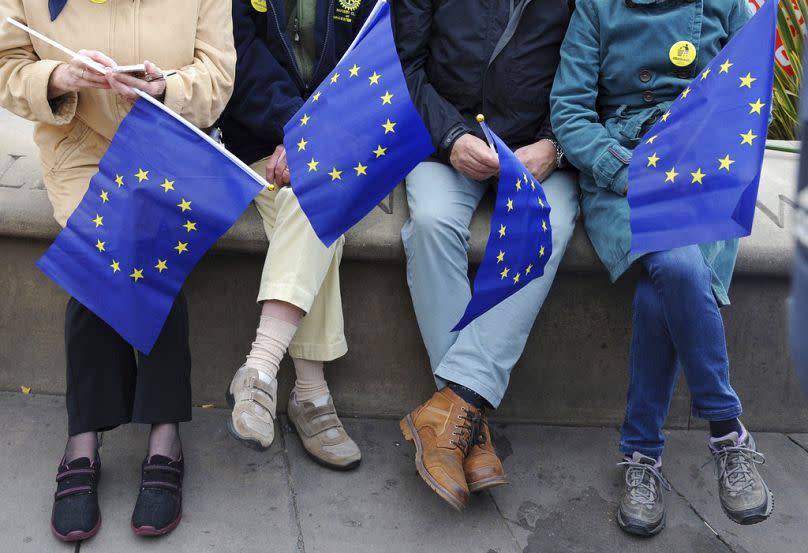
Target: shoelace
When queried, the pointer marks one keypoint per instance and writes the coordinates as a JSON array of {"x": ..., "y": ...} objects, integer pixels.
[
  {"x": 735, "y": 466},
  {"x": 468, "y": 430},
  {"x": 642, "y": 481}
]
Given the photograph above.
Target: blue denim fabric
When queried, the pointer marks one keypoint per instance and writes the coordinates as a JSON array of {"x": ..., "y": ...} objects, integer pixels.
[{"x": 676, "y": 322}]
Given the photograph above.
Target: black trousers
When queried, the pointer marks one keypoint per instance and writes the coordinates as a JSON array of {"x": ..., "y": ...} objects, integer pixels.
[{"x": 109, "y": 383}]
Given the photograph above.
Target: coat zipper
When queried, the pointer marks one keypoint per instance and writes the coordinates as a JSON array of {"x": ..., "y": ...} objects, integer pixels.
[
  {"x": 286, "y": 45},
  {"x": 329, "y": 24}
]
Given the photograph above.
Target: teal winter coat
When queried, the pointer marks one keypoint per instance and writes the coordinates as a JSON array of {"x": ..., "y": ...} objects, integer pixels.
[{"x": 615, "y": 80}]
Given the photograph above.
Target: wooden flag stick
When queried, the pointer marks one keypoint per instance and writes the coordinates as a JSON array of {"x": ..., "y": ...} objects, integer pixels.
[{"x": 84, "y": 59}]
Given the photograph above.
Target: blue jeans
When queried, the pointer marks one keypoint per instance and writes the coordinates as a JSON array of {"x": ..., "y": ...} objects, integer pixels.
[
  {"x": 436, "y": 240},
  {"x": 676, "y": 322}
]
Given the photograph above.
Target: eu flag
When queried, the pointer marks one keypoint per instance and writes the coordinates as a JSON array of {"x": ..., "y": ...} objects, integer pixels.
[
  {"x": 163, "y": 194},
  {"x": 520, "y": 241},
  {"x": 694, "y": 178},
  {"x": 357, "y": 136}
]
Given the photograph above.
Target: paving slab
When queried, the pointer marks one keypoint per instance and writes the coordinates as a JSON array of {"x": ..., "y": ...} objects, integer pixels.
[
  {"x": 384, "y": 505},
  {"x": 564, "y": 491},
  {"x": 800, "y": 439},
  {"x": 785, "y": 472}
]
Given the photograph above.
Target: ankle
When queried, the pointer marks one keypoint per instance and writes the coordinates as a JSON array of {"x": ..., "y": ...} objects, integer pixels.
[
  {"x": 719, "y": 429},
  {"x": 81, "y": 445},
  {"x": 164, "y": 440}
]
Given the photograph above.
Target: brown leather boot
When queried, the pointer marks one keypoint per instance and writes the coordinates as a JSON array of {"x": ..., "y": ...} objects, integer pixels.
[
  {"x": 442, "y": 430},
  {"x": 482, "y": 467}
]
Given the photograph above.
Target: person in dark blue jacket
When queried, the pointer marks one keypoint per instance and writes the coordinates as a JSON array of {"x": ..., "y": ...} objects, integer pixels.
[{"x": 285, "y": 48}]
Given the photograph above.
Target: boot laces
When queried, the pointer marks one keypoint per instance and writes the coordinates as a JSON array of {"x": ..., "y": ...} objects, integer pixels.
[
  {"x": 735, "y": 466},
  {"x": 468, "y": 431},
  {"x": 643, "y": 482}
]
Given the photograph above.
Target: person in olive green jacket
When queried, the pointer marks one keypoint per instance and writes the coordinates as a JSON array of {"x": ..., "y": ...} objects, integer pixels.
[{"x": 619, "y": 74}]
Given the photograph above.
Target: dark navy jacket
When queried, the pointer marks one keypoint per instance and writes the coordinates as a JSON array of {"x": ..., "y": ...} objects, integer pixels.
[{"x": 269, "y": 88}]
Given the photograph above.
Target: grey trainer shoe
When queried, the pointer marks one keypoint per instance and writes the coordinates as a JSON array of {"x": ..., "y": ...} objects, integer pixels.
[
  {"x": 253, "y": 397},
  {"x": 642, "y": 509},
  {"x": 322, "y": 433},
  {"x": 744, "y": 495}
]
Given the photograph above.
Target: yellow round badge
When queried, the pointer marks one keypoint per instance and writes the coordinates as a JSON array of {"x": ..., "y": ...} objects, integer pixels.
[
  {"x": 98, "y": 1},
  {"x": 683, "y": 53},
  {"x": 259, "y": 5}
]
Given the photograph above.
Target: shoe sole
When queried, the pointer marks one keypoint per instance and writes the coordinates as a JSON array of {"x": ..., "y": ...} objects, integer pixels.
[
  {"x": 753, "y": 516},
  {"x": 248, "y": 442},
  {"x": 323, "y": 463},
  {"x": 77, "y": 535},
  {"x": 411, "y": 435},
  {"x": 150, "y": 531},
  {"x": 638, "y": 529},
  {"x": 494, "y": 481}
]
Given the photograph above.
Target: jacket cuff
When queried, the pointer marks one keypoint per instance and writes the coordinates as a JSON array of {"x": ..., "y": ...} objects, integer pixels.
[
  {"x": 449, "y": 138},
  {"x": 56, "y": 111},
  {"x": 611, "y": 169},
  {"x": 174, "y": 94}
]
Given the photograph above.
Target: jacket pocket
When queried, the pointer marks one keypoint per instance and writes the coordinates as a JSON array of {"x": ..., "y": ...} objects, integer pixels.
[{"x": 56, "y": 146}]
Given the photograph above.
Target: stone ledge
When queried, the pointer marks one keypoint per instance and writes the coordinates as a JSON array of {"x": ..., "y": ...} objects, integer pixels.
[{"x": 26, "y": 213}]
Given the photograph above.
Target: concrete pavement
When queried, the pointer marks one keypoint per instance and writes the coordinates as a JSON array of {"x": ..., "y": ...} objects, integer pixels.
[{"x": 562, "y": 497}]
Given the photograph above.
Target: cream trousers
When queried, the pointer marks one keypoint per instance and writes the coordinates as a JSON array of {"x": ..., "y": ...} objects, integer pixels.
[{"x": 300, "y": 270}]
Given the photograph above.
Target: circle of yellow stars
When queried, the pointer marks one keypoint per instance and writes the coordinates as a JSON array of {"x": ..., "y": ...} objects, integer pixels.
[
  {"x": 747, "y": 138},
  {"x": 184, "y": 205}
]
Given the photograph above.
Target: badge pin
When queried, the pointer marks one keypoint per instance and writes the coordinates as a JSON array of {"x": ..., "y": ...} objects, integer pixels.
[
  {"x": 683, "y": 53},
  {"x": 259, "y": 5}
]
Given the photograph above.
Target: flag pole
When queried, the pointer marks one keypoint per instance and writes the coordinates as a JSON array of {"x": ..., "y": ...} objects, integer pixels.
[
  {"x": 481, "y": 120},
  {"x": 84, "y": 59}
]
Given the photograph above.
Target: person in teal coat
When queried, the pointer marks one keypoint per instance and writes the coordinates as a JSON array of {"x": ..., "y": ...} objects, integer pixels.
[{"x": 622, "y": 64}]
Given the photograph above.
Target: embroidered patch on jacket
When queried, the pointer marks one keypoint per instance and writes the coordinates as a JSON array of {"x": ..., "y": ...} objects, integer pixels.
[{"x": 346, "y": 10}]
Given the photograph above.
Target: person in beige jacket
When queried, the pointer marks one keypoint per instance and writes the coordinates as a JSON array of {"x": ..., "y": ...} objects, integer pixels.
[{"x": 77, "y": 110}]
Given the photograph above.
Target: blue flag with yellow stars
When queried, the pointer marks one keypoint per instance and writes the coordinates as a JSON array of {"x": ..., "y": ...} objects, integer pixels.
[
  {"x": 520, "y": 241},
  {"x": 694, "y": 177},
  {"x": 357, "y": 136},
  {"x": 163, "y": 194}
]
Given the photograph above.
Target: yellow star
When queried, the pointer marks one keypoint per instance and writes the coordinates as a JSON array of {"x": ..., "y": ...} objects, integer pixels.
[
  {"x": 99, "y": 221},
  {"x": 533, "y": 185},
  {"x": 100, "y": 245},
  {"x": 502, "y": 231},
  {"x": 360, "y": 169},
  {"x": 501, "y": 256},
  {"x": 518, "y": 185},
  {"x": 516, "y": 278},
  {"x": 541, "y": 203},
  {"x": 374, "y": 79},
  {"x": 529, "y": 268},
  {"x": 161, "y": 265},
  {"x": 756, "y": 107},
  {"x": 698, "y": 176},
  {"x": 354, "y": 71},
  {"x": 137, "y": 274},
  {"x": 168, "y": 185},
  {"x": 705, "y": 73},
  {"x": 316, "y": 96},
  {"x": 119, "y": 180},
  {"x": 748, "y": 138},
  {"x": 652, "y": 161},
  {"x": 725, "y": 163},
  {"x": 725, "y": 66},
  {"x": 541, "y": 251},
  {"x": 142, "y": 175},
  {"x": 685, "y": 92},
  {"x": 747, "y": 81},
  {"x": 509, "y": 205},
  {"x": 504, "y": 273},
  {"x": 379, "y": 151},
  {"x": 335, "y": 175},
  {"x": 651, "y": 140},
  {"x": 334, "y": 78},
  {"x": 301, "y": 145},
  {"x": 665, "y": 116},
  {"x": 305, "y": 119},
  {"x": 104, "y": 196},
  {"x": 672, "y": 174},
  {"x": 189, "y": 226},
  {"x": 181, "y": 247},
  {"x": 389, "y": 127},
  {"x": 184, "y": 205},
  {"x": 116, "y": 267},
  {"x": 386, "y": 98},
  {"x": 544, "y": 226},
  {"x": 313, "y": 165}
]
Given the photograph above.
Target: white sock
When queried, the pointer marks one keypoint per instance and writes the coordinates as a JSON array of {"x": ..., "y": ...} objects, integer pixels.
[
  {"x": 271, "y": 341},
  {"x": 310, "y": 382}
]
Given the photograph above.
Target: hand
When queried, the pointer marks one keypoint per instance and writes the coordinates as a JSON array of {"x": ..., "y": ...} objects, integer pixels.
[
  {"x": 539, "y": 158},
  {"x": 474, "y": 158},
  {"x": 277, "y": 171},
  {"x": 76, "y": 75},
  {"x": 124, "y": 85}
]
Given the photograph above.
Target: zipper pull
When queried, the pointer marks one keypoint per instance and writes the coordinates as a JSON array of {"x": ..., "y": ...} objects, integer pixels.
[{"x": 297, "y": 29}]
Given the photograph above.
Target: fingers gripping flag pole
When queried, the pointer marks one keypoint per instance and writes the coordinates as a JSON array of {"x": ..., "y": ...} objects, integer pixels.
[{"x": 520, "y": 241}]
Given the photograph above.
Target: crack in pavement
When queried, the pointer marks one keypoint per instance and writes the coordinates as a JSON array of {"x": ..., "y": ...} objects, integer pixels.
[
  {"x": 796, "y": 443},
  {"x": 504, "y": 519},
  {"x": 703, "y": 519},
  {"x": 301, "y": 544}
]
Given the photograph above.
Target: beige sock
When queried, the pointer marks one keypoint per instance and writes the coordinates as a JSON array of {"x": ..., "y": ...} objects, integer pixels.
[
  {"x": 310, "y": 382},
  {"x": 271, "y": 341}
]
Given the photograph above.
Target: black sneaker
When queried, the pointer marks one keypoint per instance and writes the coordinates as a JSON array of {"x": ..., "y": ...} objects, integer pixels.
[
  {"x": 745, "y": 497},
  {"x": 642, "y": 509},
  {"x": 76, "y": 515},
  {"x": 159, "y": 506}
]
